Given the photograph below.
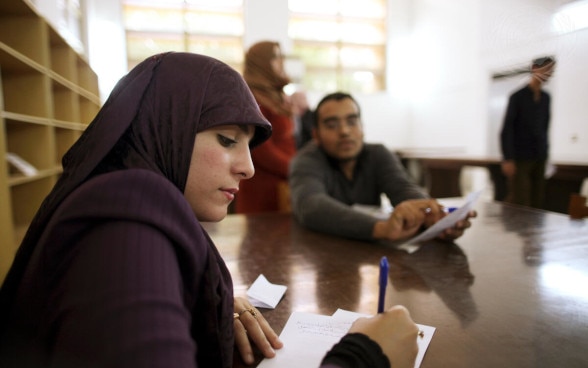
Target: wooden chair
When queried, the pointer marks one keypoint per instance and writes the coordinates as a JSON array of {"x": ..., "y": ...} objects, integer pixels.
[
  {"x": 284, "y": 197},
  {"x": 577, "y": 208}
]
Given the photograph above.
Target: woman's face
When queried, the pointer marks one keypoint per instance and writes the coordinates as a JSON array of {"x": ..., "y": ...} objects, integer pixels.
[
  {"x": 277, "y": 62},
  {"x": 220, "y": 160}
]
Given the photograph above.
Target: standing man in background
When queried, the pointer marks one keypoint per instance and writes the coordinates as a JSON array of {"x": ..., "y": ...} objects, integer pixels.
[{"x": 524, "y": 137}]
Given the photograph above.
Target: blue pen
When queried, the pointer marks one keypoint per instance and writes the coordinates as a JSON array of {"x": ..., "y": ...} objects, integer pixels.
[
  {"x": 449, "y": 209},
  {"x": 444, "y": 209},
  {"x": 383, "y": 283}
]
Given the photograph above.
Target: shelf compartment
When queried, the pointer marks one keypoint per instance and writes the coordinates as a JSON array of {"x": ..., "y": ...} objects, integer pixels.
[
  {"x": 65, "y": 138},
  {"x": 27, "y": 93},
  {"x": 34, "y": 143},
  {"x": 28, "y": 34},
  {"x": 66, "y": 105},
  {"x": 87, "y": 79},
  {"x": 63, "y": 58},
  {"x": 27, "y": 198},
  {"x": 19, "y": 179},
  {"x": 14, "y": 62},
  {"x": 88, "y": 110}
]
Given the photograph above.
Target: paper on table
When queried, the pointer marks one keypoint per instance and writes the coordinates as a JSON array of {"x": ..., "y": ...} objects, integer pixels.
[
  {"x": 307, "y": 337},
  {"x": 446, "y": 222},
  {"x": 263, "y": 294}
]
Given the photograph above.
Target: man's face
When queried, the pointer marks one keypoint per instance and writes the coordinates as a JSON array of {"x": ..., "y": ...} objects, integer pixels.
[
  {"x": 543, "y": 73},
  {"x": 340, "y": 131}
]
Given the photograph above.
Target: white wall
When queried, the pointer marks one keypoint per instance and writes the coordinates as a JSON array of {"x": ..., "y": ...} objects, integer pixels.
[
  {"x": 106, "y": 42},
  {"x": 441, "y": 58},
  {"x": 266, "y": 20}
]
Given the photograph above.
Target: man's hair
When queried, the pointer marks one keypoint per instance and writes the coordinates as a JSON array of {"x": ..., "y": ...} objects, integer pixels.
[
  {"x": 337, "y": 96},
  {"x": 542, "y": 61}
]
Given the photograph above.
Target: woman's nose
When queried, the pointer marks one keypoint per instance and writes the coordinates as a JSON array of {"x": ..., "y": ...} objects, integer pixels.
[{"x": 244, "y": 165}]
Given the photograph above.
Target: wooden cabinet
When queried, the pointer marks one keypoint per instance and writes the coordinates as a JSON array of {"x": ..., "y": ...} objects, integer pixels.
[{"x": 48, "y": 95}]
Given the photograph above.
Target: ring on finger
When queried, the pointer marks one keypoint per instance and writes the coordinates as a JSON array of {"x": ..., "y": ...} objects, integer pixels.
[{"x": 251, "y": 310}]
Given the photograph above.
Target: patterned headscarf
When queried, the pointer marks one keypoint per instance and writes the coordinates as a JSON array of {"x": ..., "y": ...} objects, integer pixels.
[
  {"x": 149, "y": 121},
  {"x": 266, "y": 85}
]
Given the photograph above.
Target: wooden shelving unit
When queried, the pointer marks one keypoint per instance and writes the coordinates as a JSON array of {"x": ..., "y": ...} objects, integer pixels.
[{"x": 48, "y": 95}]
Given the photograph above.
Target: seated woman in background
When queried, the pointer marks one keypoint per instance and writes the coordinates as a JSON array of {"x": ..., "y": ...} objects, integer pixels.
[
  {"x": 116, "y": 269},
  {"x": 265, "y": 75}
]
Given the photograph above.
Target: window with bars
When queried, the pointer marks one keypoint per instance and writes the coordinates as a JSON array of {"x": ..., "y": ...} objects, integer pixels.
[
  {"x": 213, "y": 28},
  {"x": 342, "y": 43}
]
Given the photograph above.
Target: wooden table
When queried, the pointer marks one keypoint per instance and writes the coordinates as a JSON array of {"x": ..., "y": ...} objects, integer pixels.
[{"x": 512, "y": 292}]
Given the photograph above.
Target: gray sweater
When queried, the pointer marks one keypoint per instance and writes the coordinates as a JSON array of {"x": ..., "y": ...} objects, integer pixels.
[{"x": 322, "y": 196}]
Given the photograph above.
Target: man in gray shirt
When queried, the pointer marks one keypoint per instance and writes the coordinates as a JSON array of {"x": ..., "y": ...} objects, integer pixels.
[{"x": 339, "y": 170}]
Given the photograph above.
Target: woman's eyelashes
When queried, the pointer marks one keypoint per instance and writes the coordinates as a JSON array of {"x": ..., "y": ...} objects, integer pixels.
[{"x": 226, "y": 141}]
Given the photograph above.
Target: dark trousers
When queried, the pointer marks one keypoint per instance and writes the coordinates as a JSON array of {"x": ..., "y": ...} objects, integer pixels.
[{"x": 527, "y": 187}]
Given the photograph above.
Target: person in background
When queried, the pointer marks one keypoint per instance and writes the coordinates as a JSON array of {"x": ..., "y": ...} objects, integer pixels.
[
  {"x": 524, "y": 137},
  {"x": 116, "y": 269},
  {"x": 339, "y": 170},
  {"x": 265, "y": 75},
  {"x": 303, "y": 117}
]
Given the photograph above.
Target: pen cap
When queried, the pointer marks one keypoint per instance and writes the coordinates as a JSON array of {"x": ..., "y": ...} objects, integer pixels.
[{"x": 384, "y": 271}]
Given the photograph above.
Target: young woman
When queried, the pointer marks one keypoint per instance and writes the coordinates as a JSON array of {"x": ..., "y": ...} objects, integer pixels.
[
  {"x": 266, "y": 77},
  {"x": 116, "y": 269}
]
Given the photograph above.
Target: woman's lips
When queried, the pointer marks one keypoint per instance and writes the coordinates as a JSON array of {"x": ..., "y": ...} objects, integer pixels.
[{"x": 230, "y": 193}]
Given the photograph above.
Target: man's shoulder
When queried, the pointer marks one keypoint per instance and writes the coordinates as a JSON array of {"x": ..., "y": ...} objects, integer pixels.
[
  {"x": 309, "y": 150},
  {"x": 377, "y": 149}
]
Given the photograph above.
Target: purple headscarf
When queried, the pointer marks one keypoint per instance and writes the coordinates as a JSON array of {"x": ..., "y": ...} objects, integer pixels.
[{"x": 149, "y": 121}]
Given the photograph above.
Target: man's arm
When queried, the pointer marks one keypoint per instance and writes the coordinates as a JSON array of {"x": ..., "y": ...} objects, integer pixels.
[
  {"x": 507, "y": 138},
  {"x": 393, "y": 178},
  {"x": 507, "y": 134}
]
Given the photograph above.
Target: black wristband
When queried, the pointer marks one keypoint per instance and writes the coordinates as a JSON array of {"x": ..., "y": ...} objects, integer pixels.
[{"x": 356, "y": 350}]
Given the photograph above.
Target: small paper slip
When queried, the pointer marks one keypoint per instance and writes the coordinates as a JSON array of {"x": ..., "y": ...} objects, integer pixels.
[
  {"x": 307, "y": 338},
  {"x": 263, "y": 294},
  {"x": 446, "y": 222},
  {"x": 21, "y": 165}
]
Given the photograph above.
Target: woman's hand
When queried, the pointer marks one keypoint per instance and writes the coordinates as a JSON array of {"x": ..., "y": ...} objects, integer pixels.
[
  {"x": 395, "y": 332},
  {"x": 250, "y": 325}
]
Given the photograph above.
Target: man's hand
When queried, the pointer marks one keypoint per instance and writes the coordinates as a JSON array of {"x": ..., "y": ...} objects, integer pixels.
[
  {"x": 411, "y": 216},
  {"x": 509, "y": 168},
  {"x": 458, "y": 229},
  {"x": 407, "y": 219}
]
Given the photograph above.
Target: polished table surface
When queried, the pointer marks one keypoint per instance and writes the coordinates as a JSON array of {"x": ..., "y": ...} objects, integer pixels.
[{"x": 512, "y": 292}]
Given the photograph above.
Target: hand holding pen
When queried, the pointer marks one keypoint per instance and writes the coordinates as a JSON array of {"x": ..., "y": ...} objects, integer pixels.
[
  {"x": 383, "y": 283},
  {"x": 393, "y": 329},
  {"x": 395, "y": 332}
]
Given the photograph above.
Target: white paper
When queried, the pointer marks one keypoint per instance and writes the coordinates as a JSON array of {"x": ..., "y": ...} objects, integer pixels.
[
  {"x": 307, "y": 337},
  {"x": 21, "y": 165},
  {"x": 263, "y": 294}
]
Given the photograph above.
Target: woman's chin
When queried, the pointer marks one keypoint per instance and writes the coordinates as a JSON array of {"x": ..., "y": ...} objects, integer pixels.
[{"x": 213, "y": 216}]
